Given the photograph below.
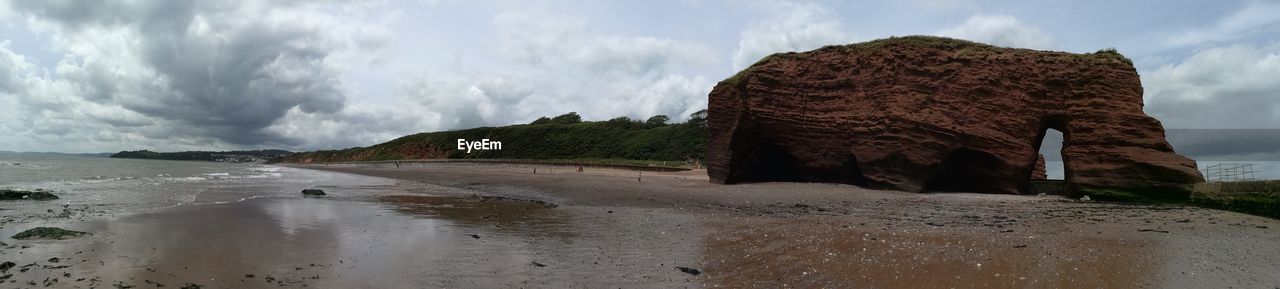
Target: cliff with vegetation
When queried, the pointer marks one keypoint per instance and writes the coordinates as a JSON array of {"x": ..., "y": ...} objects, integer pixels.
[
  {"x": 565, "y": 137},
  {"x": 256, "y": 156}
]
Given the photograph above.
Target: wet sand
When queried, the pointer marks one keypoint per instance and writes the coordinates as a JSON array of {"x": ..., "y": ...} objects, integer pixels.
[
  {"x": 503, "y": 226},
  {"x": 774, "y": 235},
  {"x": 402, "y": 236}
]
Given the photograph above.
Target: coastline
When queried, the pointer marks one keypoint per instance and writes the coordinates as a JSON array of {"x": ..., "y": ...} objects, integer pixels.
[
  {"x": 472, "y": 225},
  {"x": 812, "y": 235}
]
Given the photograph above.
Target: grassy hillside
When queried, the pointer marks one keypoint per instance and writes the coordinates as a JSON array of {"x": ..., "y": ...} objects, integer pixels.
[
  {"x": 564, "y": 137},
  {"x": 211, "y": 156}
]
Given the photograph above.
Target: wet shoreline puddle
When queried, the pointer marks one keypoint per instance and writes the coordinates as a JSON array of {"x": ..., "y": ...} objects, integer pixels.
[{"x": 346, "y": 241}]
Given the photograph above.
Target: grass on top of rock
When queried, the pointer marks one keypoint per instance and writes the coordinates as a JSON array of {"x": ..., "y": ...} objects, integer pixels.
[
  {"x": 48, "y": 233},
  {"x": 1112, "y": 53},
  {"x": 966, "y": 48}
]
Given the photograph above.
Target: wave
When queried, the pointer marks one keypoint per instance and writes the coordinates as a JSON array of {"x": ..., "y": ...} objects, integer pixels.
[
  {"x": 265, "y": 169},
  {"x": 265, "y": 176}
]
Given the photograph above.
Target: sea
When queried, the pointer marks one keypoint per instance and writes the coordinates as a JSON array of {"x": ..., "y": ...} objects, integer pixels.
[{"x": 109, "y": 187}]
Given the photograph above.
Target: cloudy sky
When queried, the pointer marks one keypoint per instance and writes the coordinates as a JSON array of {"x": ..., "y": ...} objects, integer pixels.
[{"x": 102, "y": 76}]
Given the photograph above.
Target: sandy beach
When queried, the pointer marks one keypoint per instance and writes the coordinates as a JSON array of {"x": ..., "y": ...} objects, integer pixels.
[
  {"x": 773, "y": 235},
  {"x": 459, "y": 225}
]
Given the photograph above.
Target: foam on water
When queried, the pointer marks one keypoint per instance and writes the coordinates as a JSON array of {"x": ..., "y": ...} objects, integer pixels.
[{"x": 123, "y": 185}]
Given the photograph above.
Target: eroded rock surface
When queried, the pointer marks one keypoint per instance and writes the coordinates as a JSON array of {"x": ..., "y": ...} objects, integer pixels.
[
  {"x": 936, "y": 114},
  {"x": 1039, "y": 172}
]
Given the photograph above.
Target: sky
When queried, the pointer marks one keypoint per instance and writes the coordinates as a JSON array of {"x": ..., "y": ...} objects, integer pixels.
[{"x": 172, "y": 75}]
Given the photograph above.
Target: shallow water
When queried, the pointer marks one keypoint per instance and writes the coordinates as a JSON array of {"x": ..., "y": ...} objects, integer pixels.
[
  {"x": 111, "y": 187},
  {"x": 367, "y": 241},
  {"x": 247, "y": 226}
]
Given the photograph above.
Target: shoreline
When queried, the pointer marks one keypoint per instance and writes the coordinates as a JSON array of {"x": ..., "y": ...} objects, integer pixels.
[
  {"x": 598, "y": 164},
  {"x": 1033, "y": 241},
  {"x": 469, "y": 225}
]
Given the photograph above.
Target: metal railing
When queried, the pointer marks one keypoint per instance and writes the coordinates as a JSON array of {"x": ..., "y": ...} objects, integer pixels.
[{"x": 1230, "y": 172}]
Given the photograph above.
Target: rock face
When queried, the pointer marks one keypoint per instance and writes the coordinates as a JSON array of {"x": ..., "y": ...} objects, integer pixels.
[
  {"x": 937, "y": 114},
  {"x": 1039, "y": 172}
]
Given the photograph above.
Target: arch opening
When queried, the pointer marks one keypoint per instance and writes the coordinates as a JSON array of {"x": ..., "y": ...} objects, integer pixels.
[
  {"x": 853, "y": 172},
  {"x": 964, "y": 170},
  {"x": 848, "y": 172},
  {"x": 772, "y": 163},
  {"x": 1051, "y": 148},
  {"x": 1049, "y": 171}
]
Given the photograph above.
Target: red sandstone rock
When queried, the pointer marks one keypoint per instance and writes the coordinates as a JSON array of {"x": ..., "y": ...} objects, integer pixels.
[
  {"x": 936, "y": 114},
  {"x": 1039, "y": 172}
]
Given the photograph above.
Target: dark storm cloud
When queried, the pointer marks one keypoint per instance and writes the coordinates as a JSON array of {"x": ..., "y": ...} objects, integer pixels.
[
  {"x": 1211, "y": 137},
  {"x": 1227, "y": 144},
  {"x": 78, "y": 13},
  {"x": 224, "y": 70}
]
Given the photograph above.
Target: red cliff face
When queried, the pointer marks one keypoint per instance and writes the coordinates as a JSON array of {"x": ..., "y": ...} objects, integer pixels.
[
  {"x": 936, "y": 114},
  {"x": 1039, "y": 171}
]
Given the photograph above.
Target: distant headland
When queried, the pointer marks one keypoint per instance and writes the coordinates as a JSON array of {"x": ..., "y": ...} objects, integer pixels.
[{"x": 250, "y": 156}]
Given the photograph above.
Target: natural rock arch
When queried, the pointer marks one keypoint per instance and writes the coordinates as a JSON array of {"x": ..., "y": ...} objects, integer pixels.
[{"x": 915, "y": 113}]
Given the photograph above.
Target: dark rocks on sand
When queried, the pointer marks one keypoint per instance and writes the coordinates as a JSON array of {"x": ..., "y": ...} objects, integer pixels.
[
  {"x": 4, "y": 267},
  {"x": 690, "y": 271},
  {"x": 38, "y": 195},
  {"x": 313, "y": 192},
  {"x": 48, "y": 233}
]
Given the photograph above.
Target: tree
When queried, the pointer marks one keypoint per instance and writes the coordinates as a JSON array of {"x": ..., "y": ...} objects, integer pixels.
[
  {"x": 698, "y": 118},
  {"x": 568, "y": 118},
  {"x": 541, "y": 120},
  {"x": 657, "y": 120},
  {"x": 619, "y": 122}
]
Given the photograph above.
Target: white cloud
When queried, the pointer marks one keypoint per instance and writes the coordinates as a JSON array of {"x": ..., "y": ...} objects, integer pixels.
[
  {"x": 1227, "y": 87},
  {"x": 792, "y": 27},
  {"x": 173, "y": 75},
  {"x": 176, "y": 75},
  {"x": 1222, "y": 87},
  {"x": 1254, "y": 17},
  {"x": 1000, "y": 30},
  {"x": 553, "y": 65},
  {"x": 208, "y": 75}
]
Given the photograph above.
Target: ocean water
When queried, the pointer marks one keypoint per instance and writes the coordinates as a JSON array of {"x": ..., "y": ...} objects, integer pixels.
[
  {"x": 113, "y": 186},
  {"x": 1258, "y": 170}
]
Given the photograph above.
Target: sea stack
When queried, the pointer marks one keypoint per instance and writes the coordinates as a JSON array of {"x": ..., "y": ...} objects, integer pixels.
[{"x": 923, "y": 113}]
